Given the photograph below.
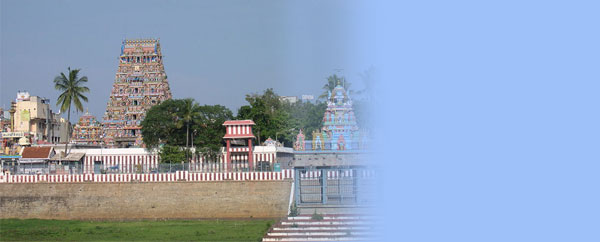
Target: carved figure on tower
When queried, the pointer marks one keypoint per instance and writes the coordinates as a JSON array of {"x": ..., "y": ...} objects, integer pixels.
[{"x": 300, "y": 144}]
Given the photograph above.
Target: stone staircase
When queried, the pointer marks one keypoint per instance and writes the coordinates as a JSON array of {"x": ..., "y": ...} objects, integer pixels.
[{"x": 332, "y": 227}]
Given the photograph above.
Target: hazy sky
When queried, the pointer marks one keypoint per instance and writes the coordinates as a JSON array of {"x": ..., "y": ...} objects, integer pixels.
[{"x": 214, "y": 51}]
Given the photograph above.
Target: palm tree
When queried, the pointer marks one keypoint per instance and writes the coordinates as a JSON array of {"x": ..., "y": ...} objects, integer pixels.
[
  {"x": 369, "y": 78},
  {"x": 72, "y": 92},
  {"x": 187, "y": 114},
  {"x": 332, "y": 82}
]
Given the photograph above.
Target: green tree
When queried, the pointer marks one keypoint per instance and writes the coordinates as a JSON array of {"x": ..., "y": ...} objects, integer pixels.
[
  {"x": 280, "y": 120},
  {"x": 171, "y": 154},
  {"x": 266, "y": 111},
  {"x": 72, "y": 89},
  {"x": 188, "y": 113},
  {"x": 306, "y": 116},
  {"x": 332, "y": 82},
  {"x": 159, "y": 125},
  {"x": 210, "y": 129},
  {"x": 179, "y": 122}
]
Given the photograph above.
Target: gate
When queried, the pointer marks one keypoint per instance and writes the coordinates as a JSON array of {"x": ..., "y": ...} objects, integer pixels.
[{"x": 333, "y": 185}]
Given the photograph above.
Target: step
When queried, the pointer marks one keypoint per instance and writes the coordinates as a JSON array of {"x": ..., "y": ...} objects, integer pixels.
[
  {"x": 333, "y": 227},
  {"x": 326, "y": 222},
  {"x": 321, "y": 233},
  {"x": 322, "y": 227},
  {"x": 327, "y": 217},
  {"x": 318, "y": 238}
]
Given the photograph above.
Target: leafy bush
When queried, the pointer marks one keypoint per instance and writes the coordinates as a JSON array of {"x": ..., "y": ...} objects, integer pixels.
[
  {"x": 317, "y": 216},
  {"x": 293, "y": 210}
]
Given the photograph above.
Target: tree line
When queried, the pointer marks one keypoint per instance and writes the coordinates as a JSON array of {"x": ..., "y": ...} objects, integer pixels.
[{"x": 176, "y": 125}]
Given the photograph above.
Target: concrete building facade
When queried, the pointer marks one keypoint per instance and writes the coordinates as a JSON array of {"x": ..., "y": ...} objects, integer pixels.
[{"x": 36, "y": 121}]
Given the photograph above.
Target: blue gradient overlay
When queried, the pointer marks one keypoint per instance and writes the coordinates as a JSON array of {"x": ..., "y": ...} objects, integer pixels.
[{"x": 488, "y": 120}]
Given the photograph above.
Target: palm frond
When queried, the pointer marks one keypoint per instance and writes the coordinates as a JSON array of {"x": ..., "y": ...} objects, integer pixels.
[
  {"x": 81, "y": 89},
  {"x": 78, "y": 105},
  {"x": 83, "y": 79},
  {"x": 66, "y": 103},
  {"x": 82, "y": 97}
]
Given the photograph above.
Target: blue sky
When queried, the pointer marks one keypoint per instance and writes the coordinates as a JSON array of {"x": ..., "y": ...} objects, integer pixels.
[{"x": 214, "y": 51}]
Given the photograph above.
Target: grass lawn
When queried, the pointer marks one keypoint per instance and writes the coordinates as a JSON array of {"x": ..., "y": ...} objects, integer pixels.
[{"x": 180, "y": 230}]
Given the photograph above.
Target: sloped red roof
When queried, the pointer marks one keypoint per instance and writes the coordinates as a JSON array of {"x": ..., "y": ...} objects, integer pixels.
[{"x": 36, "y": 152}]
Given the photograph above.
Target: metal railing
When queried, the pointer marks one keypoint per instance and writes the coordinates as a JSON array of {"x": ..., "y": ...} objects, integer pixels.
[
  {"x": 105, "y": 168},
  {"x": 334, "y": 185}
]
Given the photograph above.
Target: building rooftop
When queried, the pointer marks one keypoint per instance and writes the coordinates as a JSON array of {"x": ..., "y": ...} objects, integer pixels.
[{"x": 36, "y": 152}]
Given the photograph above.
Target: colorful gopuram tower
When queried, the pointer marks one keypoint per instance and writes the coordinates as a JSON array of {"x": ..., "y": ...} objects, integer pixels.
[
  {"x": 340, "y": 130},
  {"x": 139, "y": 84},
  {"x": 87, "y": 130}
]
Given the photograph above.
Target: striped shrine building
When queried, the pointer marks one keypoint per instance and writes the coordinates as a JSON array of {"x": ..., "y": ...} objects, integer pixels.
[{"x": 119, "y": 160}]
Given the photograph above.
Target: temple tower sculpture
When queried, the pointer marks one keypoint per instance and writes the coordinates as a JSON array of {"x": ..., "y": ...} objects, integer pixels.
[
  {"x": 340, "y": 129},
  {"x": 139, "y": 84},
  {"x": 87, "y": 131},
  {"x": 300, "y": 144}
]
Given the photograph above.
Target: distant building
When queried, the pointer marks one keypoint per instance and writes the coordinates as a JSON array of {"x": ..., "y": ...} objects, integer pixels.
[
  {"x": 35, "y": 121},
  {"x": 307, "y": 98},
  {"x": 34, "y": 159},
  {"x": 289, "y": 99},
  {"x": 4, "y": 120}
]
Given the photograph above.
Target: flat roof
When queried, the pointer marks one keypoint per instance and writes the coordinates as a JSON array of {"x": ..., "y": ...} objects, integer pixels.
[{"x": 239, "y": 122}]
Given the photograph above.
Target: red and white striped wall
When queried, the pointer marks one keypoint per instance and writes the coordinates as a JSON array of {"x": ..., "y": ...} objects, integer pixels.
[
  {"x": 155, "y": 177},
  {"x": 239, "y": 130},
  {"x": 126, "y": 163},
  {"x": 243, "y": 158},
  {"x": 239, "y": 149}
]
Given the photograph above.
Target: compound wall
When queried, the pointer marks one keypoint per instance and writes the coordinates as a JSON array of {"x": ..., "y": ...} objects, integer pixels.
[{"x": 138, "y": 200}]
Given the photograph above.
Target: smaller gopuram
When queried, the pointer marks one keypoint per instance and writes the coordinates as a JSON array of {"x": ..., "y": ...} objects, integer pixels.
[
  {"x": 238, "y": 137},
  {"x": 299, "y": 144},
  {"x": 87, "y": 131},
  {"x": 340, "y": 131}
]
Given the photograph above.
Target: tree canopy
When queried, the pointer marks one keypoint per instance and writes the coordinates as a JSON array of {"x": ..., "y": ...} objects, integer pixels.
[
  {"x": 279, "y": 119},
  {"x": 175, "y": 121}
]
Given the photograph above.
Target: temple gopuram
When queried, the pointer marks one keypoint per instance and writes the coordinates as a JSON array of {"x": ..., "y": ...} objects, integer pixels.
[
  {"x": 340, "y": 131},
  {"x": 87, "y": 131},
  {"x": 139, "y": 84}
]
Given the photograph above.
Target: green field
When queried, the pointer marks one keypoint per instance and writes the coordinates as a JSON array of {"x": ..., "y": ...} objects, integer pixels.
[{"x": 170, "y": 230}]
